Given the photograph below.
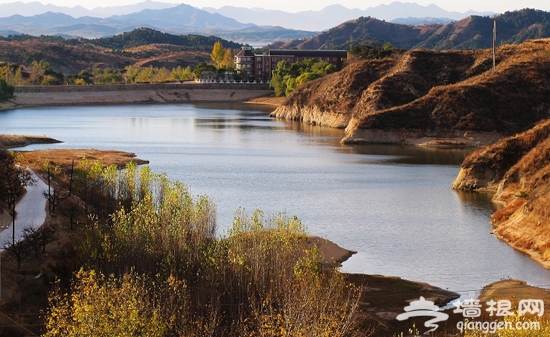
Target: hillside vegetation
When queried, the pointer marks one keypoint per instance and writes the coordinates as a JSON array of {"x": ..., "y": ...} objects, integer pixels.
[
  {"x": 474, "y": 32},
  {"x": 441, "y": 95},
  {"x": 144, "y": 46}
]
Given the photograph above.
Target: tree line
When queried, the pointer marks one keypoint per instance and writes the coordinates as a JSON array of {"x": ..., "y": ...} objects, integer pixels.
[
  {"x": 41, "y": 73},
  {"x": 287, "y": 77}
]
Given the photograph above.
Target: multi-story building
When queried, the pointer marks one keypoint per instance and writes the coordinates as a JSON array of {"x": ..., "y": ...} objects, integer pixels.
[{"x": 258, "y": 67}]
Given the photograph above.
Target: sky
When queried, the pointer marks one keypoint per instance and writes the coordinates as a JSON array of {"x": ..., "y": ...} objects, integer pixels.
[{"x": 498, "y": 6}]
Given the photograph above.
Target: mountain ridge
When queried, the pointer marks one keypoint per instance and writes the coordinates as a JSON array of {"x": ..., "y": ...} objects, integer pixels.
[
  {"x": 311, "y": 20},
  {"x": 335, "y": 14}
]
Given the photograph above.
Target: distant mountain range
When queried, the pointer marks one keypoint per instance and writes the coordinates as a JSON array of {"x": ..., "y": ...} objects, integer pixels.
[
  {"x": 474, "y": 32},
  {"x": 407, "y": 13},
  {"x": 414, "y": 25},
  {"x": 240, "y": 24},
  {"x": 36, "y": 8},
  {"x": 145, "y": 46}
]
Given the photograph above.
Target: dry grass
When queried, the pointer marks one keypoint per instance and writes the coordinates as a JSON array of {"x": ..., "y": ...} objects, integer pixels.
[
  {"x": 435, "y": 91},
  {"x": 64, "y": 157}
]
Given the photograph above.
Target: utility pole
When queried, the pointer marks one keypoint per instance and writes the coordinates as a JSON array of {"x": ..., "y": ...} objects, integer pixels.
[{"x": 494, "y": 45}]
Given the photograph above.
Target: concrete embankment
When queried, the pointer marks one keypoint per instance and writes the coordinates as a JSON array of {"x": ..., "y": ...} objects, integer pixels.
[{"x": 138, "y": 93}]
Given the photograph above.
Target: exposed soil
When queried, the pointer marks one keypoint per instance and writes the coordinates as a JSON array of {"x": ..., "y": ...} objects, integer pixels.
[
  {"x": 517, "y": 170},
  {"x": 427, "y": 94}
]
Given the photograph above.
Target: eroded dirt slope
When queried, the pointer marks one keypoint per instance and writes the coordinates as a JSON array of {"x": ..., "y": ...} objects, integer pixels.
[{"x": 439, "y": 95}]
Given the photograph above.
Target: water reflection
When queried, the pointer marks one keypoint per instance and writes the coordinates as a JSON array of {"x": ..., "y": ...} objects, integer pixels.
[{"x": 413, "y": 155}]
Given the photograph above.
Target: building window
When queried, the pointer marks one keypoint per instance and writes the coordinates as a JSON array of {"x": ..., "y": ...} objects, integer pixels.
[{"x": 258, "y": 59}]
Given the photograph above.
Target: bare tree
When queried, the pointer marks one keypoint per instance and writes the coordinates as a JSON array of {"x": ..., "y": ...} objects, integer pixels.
[
  {"x": 39, "y": 238},
  {"x": 19, "y": 250},
  {"x": 54, "y": 195},
  {"x": 71, "y": 211}
]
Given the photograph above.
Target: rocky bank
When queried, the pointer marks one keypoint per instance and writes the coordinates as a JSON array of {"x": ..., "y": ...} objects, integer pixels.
[{"x": 517, "y": 170}]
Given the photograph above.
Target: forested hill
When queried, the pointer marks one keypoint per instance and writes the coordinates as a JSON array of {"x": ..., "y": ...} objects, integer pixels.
[
  {"x": 145, "y": 36},
  {"x": 474, "y": 32}
]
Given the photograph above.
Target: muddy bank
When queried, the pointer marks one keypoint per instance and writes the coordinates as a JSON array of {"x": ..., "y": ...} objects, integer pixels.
[{"x": 11, "y": 141}]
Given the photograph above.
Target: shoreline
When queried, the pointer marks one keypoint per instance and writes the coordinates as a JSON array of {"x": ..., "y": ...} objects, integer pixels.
[{"x": 342, "y": 254}]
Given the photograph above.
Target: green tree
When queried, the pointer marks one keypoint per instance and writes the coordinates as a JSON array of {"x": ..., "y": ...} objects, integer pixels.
[
  {"x": 287, "y": 77},
  {"x": 173, "y": 276},
  {"x": 6, "y": 90},
  {"x": 13, "y": 180},
  {"x": 145, "y": 75},
  {"x": 203, "y": 67},
  {"x": 161, "y": 75}
]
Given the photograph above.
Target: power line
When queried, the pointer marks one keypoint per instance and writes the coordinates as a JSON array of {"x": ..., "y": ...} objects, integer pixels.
[{"x": 19, "y": 325}]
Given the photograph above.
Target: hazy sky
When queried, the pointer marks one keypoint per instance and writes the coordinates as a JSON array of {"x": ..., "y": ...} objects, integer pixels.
[{"x": 498, "y": 6}]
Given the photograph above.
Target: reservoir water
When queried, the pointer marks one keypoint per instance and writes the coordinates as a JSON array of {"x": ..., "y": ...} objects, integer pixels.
[{"x": 393, "y": 205}]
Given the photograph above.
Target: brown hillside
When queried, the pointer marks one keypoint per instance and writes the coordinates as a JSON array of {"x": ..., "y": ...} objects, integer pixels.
[
  {"x": 432, "y": 94},
  {"x": 328, "y": 101},
  {"x": 484, "y": 103},
  {"x": 365, "y": 29},
  {"x": 70, "y": 59},
  {"x": 517, "y": 168},
  {"x": 473, "y": 32}
]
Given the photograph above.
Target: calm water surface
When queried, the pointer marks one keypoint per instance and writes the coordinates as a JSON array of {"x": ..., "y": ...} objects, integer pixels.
[{"x": 393, "y": 205}]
